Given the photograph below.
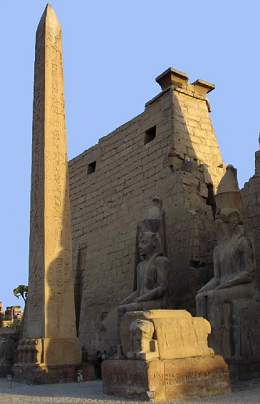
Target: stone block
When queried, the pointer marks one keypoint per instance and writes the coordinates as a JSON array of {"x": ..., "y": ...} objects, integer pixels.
[
  {"x": 172, "y": 358},
  {"x": 41, "y": 374},
  {"x": 58, "y": 351},
  {"x": 88, "y": 371},
  {"x": 202, "y": 87},
  {"x": 178, "y": 334},
  {"x": 47, "y": 360},
  {"x": 166, "y": 379}
]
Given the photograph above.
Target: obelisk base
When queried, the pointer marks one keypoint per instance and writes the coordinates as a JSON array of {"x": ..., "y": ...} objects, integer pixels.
[
  {"x": 166, "y": 379},
  {"x": 47, "y": 360},
  {"x": 42, "y": 374}
]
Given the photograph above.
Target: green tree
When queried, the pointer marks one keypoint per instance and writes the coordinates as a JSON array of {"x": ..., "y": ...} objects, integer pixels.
[{"x": 21, "y": 290}]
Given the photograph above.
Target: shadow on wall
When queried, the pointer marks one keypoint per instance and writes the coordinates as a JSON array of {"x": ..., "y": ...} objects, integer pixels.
[
  {"x": 63, "y": 392},
  {"x": 79, "y": 282},
  {"x": 190, "y": 232},
  {"x": 187, "y": 193},
  {"x": 54, "y": 355},
  {"x": 59, "y": 287}
]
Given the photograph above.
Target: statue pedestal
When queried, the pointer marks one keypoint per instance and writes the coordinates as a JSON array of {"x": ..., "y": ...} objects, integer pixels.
[
  {"x": 42, "y": 374},
  {"x": 234, "y": 317},
  {"x": 47, "y": 360},
  {"x": 166, "y": 379},
  {"x": 169, "y": 358},
  {"x": 5, "y": 369},
  {"x": 8, "y": 338}
]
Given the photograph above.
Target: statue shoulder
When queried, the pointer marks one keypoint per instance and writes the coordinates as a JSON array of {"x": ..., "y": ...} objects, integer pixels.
[
  {"x": 244, "y": 242},
  {"x": 161, "y": 260}
]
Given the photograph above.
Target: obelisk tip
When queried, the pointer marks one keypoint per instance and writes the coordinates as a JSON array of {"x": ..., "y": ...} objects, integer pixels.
[{"x": 49, "y": 17}]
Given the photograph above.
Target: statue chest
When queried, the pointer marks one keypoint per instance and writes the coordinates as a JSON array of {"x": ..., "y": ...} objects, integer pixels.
[
  {"x": 229, "y": 257},
  {"x": 147, "y": 275}
]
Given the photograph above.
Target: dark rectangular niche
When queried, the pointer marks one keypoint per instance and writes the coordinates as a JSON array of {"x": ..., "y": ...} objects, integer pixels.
[
  {"x": 92, "y": 167},
  {"x": 149, "y": 135}
]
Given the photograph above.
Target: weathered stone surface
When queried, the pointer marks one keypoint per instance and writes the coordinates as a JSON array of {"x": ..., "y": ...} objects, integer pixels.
[
  {"x": 152, "y": 276},
  {"x": 152, "y": 269},
  {"x": 8, "y": 341},
  {"x": 247, "y": 363},
  {"x": 166, "y": 356},
  {"x": 7, "y": 355},
  {"x": 143, "y": 346},
  {"x": 49, "y": 324},
  {"x": 233, "y": 256},
  {"x": 228, "y": 194},
  {"x": 42, "y": 374},
  {"x": 166, "y": 379},
  {"x": 176, "y": 334},
  {"x": 234, "y": 262},
  {"x": 250, "y": 208},
  {"x": 172, "y": 77},
  {"x": 228, "y": 299},
  {"x": 181, "y": 336},
  {"x": 182, "y": 165},
  {"x": 89, "y": 371}
]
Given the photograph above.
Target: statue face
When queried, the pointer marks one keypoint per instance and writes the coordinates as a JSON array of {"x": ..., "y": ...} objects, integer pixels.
[
  {"x": 227, "y": 220},
  {"x": 222, "y": 214},
  {"x": 146, "y": 244}
]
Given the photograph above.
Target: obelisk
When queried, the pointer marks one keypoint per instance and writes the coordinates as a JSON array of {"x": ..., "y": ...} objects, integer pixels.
[{"x": 49, "y": 346}]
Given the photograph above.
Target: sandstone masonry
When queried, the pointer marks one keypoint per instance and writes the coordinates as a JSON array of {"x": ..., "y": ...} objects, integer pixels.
[
  {"x": 169, "y": 150},
  {"x": 48, "y": 347}
]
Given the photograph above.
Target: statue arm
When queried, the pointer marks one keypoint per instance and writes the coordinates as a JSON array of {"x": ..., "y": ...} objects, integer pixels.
[
  {"x": 247, "y": 258},
  {"x": 216, "y": 265},
  {"x": 162, "y": 264},
  {"x": 239, "y": 279},
  {"x": 130, "y": 298}
]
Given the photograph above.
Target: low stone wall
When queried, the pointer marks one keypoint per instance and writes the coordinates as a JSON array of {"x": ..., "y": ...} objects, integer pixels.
[{"x": 8, "y": 342}]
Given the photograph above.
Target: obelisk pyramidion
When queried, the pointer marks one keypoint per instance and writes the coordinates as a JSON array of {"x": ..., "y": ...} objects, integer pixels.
[{"x": 49, "y": 332}]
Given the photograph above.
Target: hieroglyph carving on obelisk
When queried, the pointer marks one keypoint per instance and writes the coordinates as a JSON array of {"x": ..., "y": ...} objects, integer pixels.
[{"x": 50, "y": 311}]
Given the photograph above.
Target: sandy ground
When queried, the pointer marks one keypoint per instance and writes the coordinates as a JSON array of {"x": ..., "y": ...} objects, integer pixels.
[{"x": 91, "y": 392}]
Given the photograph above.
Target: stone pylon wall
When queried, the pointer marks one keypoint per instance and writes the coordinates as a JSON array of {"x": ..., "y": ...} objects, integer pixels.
[
  {"x": 251, "y": 212},
  {"x": 112, "y": 183}
]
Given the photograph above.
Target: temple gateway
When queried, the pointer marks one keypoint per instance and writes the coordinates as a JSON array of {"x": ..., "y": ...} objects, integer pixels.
[{"x": 143, "y": 246}]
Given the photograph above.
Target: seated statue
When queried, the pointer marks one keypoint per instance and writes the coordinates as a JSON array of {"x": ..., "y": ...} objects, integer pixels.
[
  {"x": 233, "y": 256},
  {"x": 232, "y": 287},
  {"x": 152, "y": 276}
]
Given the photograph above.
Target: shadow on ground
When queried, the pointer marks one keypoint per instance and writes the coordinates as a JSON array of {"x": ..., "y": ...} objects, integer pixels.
[
  {"x": 91, "y": 392},
  {"x": 69, "y": 392}
]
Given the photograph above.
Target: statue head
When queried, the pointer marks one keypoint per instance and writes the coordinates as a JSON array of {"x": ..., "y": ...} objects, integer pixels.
[
  {"x": 228, "y": 220},
  {"x": 149, "y": 244},
  {"x": 143, "y": 327},
  {"x": 142, "y": 333}
]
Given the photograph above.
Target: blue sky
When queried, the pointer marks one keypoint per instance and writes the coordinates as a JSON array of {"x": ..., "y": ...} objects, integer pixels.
[{"x": 113, "y": 50}]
